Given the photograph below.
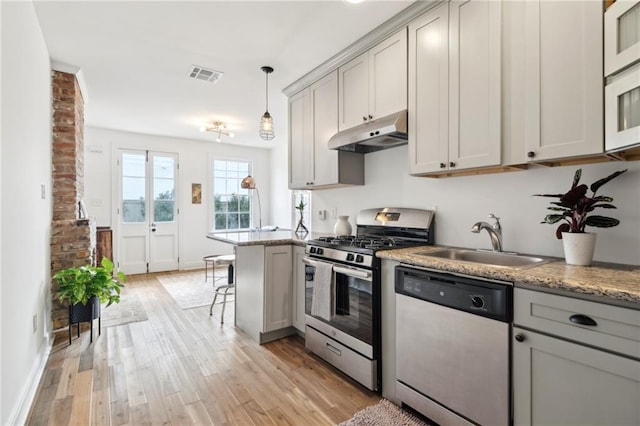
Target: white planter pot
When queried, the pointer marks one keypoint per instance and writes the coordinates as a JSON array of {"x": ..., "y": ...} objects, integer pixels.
[{"x": 578, "y": 248}]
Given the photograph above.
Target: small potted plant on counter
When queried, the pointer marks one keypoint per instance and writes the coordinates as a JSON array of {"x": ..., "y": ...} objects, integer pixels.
[
  {"x": 301, "y": 229},
  {"x": 84, "y": 288},
  {"x": 574, "y": 210}
]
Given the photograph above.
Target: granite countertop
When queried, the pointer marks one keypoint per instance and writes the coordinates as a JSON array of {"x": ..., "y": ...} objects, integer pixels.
[
  {"x": 266, "y": 238},
  {"x": 604, "y": 282}
]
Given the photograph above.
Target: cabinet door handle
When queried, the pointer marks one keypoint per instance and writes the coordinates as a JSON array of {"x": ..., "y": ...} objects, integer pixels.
[
  {"x": 452, "y": 164},
  {"x": 442, "y": 165},
  {"x": 519, "y": 337},
  {"x": 334, "y": 349},
  {"x": 370, "y": 116},
  {"x": 531, "y": 154},
  {"x": 582, "y": 320},
  {"x": 364, "y": 118}
]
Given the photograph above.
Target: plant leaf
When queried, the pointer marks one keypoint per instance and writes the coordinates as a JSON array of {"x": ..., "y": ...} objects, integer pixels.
[
  {"x": 576, "y": 178},
  {"x": 597, "y": 184},
  {"x": 562, "y": 228},
  {"x": 572, "y": 197},
  {"x": 558, "y": 209},
  {"x": 553, "y": 218},
  {"x": 549, "y": 195},
  {"x": 603, "y": 198},
  {"x": 601, "y": 221}
]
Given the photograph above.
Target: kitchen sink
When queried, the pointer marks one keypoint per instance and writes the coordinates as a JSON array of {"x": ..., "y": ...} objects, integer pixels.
[{"x": 503, "y": 260}]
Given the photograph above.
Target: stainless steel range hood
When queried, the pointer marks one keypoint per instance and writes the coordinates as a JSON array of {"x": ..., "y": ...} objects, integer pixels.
[{"x": 381, "y": 133}]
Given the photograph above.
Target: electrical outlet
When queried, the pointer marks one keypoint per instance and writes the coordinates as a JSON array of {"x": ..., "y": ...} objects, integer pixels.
[
  {"x": 334, "y": 212},
  {"x": 322, "y": 214},
  {"x": 35, "y": 322},
  {"x": 43, "y": 191}
]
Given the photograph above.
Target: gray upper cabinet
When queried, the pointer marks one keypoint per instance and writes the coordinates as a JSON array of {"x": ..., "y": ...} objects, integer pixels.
[
  {"x": 454, "y": 87},
  {"x": 374, "y": 84},
  {"x": 563, "y": 81},
  {"x": 313, "y": 119}
]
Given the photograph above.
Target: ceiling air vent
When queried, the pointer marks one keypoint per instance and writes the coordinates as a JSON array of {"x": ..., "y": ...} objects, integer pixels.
[{"x": 200, "y": 73}]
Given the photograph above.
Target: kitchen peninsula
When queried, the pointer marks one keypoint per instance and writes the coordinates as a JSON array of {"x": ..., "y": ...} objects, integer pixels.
[{"x": 267, "y": 305}]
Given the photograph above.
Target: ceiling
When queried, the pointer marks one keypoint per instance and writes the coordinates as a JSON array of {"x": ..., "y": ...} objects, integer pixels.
[{"x": 135, "y": 58}]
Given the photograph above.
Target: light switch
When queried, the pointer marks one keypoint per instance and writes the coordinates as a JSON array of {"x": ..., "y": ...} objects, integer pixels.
[{"x": 43, "y": 191}]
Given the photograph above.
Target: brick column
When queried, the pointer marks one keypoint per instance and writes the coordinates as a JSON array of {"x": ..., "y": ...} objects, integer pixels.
[{"x": 72, "y": 239}]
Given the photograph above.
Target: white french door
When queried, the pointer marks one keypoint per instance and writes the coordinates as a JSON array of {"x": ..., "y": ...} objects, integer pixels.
[{"x": 147, "y": 211}]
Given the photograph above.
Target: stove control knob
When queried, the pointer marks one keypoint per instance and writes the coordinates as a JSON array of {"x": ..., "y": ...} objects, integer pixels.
[
  {"x": 350, "y": 257},
  {"x": 312, "y": 250},
  {"x": 477, "y": 301},
  {"x": 359, "y": 258},
  {"x": 320, "y": 251}
]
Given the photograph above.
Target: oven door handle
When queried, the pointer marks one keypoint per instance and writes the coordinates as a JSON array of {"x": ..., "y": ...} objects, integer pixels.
[
  {"x": 356, "y": 273},
  {"x": 312, "y": 262}
]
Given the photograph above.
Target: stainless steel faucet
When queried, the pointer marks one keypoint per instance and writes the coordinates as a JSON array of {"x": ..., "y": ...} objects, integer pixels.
[{"x": 495, "y": 231}]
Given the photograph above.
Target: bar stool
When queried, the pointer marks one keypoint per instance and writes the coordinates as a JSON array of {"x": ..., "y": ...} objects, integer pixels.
[{"x": 223, "y": 290}]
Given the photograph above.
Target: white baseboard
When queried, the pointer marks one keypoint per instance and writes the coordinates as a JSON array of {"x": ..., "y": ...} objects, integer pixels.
[
  {"x": 184, "y": 266},
  {"x": 27, "y": 395}
]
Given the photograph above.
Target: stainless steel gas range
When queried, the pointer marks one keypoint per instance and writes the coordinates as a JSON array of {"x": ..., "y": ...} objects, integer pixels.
[{"x": 342, "y": 286}]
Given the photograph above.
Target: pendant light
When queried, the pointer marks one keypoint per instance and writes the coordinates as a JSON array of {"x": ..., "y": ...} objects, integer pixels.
[{"x": 266, "y": 122}]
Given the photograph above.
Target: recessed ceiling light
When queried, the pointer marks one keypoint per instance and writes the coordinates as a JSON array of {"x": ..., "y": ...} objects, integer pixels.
[{"x": 354, "y": 1}]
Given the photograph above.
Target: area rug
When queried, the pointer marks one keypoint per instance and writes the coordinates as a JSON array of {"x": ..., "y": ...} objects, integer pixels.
[
  {"x": 128, "y": 310},
  {"x": 384, "y": 413},
  {"x": 189, "y": 290}
]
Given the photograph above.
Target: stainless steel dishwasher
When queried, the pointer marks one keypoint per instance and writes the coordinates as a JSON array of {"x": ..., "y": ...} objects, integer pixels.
[{"x": 453, "y": 346}]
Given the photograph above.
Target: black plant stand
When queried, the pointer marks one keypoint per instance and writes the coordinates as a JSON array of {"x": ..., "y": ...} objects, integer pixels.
[{"x": 85, "y": 313}]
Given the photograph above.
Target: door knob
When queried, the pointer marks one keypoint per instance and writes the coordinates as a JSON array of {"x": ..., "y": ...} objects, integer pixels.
[{"x": 519, "y": 337}]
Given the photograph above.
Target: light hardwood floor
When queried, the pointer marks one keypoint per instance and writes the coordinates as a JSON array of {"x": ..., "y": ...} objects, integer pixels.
[{"x": 184, "y": 367}]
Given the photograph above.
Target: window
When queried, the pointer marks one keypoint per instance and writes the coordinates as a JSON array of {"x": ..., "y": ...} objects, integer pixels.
[{"x": 232, "y": 204}]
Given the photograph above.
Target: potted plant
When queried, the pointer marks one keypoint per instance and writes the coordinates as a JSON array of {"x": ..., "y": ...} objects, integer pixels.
[
  {"x": 84, "y": 288},
  {"x": 574, "y": 210},
  {"x": 301, "y": 228}
]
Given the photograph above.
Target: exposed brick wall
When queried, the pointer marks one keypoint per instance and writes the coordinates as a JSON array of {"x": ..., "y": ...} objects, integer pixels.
[
  {"x": 73, "y": 240},
  {"x": 68, "y": 146}
]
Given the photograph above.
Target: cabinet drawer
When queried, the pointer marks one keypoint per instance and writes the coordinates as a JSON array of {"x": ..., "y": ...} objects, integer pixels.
[
  {"x": 616, "y": 329},
  {"x": 357, "y": 366}
]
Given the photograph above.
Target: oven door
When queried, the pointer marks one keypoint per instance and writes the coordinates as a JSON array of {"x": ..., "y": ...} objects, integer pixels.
[{"x": 351, "y": 320}]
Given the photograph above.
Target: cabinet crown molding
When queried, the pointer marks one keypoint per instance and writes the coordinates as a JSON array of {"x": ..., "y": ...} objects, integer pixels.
[{"x": 374, "y": 37}]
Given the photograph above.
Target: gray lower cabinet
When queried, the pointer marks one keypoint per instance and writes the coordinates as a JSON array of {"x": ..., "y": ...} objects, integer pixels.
[{"x": 559, "y": 380}]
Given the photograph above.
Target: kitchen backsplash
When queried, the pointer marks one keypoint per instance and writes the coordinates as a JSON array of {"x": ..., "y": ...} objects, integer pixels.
[{"x": 462, "y": 201}]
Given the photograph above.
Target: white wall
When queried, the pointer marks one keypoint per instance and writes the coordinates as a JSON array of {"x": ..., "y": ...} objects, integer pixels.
[
  {"x": 26, "y": 217},
  {"x": 196, "y": 160},
  {"x": 281, "y": 205},
  {"x": 462, "y": 201}
]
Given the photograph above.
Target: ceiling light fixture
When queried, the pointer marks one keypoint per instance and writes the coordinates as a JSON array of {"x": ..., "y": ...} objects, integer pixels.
[
  {"x": 266, "y": 122},
  {"x": 217, "y": 127}
]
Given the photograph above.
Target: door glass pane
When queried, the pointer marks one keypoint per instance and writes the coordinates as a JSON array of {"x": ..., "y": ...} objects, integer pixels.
[
  {"x": 629, "y": 109},
  {"x": 133, "y": 188},
  {"x": 163, "y": 189}
]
